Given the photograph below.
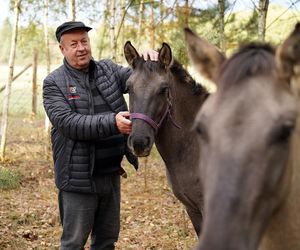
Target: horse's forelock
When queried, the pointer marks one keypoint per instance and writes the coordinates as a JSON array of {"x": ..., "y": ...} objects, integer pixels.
[
  {"x": 176, "y": 69},
  {"x": 148, "y": 65},
  {"x": 251, "y": 60}
]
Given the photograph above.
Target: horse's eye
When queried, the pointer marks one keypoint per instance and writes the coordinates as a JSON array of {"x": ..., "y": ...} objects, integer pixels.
[
  {"x": 200, "y": 130},
  {"x": 164, "y": 90},
  {"x": 283, "y": 133}
]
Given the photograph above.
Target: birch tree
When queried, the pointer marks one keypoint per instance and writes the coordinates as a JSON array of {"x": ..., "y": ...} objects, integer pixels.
[
  {"x": 140, "y": 23},
  {"x": 161, "y": 21},
  {"x": 152, "y": 26},
  {"x": 122, "y": 26},
  {"x": 186, "y": 12},
  {"x": 46, "y": 36},
  {"x": 72, "y": 10},
  {"x": 48, "y": 68},
  {"x": 112, "y": 21},
  {"x": 11, "y": 62},
  {"x": 103, "y": 33},
  {"x": 262, "y": 16}
]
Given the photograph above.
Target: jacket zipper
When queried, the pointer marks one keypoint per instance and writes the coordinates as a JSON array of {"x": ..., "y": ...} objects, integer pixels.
[{"x": 91, "y": 112}]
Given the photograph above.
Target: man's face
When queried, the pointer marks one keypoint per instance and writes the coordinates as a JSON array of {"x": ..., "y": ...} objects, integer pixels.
[{"x": 76, "y": 48}]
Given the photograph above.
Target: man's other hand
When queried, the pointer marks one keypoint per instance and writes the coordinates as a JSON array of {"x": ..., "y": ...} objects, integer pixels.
[{"x": 150, "y": 54}]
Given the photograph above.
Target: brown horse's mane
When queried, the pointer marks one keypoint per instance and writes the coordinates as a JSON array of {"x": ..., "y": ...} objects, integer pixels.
[
  {"x": 178, "y": 72},
  {"x": 251, "y": 60},
  {"x": 183, "y": 76}
]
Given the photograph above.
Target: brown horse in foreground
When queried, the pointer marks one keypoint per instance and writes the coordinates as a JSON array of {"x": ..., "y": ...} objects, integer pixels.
[
  {"x": 163, "y": 101},
  {"x": 249, "y": 138}
]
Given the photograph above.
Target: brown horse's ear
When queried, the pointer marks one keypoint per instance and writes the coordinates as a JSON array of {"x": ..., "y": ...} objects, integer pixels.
[
  {"x": 205, "y": 56},
  {"x": 131, "y": 54},
  {"x": 288, "y": 56},
  {"x": 165, "y": 54}
]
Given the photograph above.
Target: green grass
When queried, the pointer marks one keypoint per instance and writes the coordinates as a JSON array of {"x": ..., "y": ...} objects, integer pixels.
[{"x": 9, "y": 179}]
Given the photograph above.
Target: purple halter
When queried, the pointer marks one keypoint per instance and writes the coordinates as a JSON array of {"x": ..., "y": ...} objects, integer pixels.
[{"x": 152, "y": 123}]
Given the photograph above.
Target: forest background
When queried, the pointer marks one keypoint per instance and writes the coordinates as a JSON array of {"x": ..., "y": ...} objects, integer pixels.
[{"x": 151, "y": 217}]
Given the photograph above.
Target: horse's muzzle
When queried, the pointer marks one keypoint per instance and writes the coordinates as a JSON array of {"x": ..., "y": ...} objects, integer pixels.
[{"x": 140, "y": 145}]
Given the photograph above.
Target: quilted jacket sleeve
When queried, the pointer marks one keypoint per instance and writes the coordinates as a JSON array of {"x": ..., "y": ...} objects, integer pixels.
[{"x": 71, "y": 124}]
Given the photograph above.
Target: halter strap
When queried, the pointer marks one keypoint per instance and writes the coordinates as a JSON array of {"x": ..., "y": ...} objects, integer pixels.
[
  {"x": 151, "y": 122},
  {"x": 145, "y": 118}
]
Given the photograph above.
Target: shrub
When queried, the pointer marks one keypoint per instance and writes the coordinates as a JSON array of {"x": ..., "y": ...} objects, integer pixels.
[{"x": 9, "y": 179}]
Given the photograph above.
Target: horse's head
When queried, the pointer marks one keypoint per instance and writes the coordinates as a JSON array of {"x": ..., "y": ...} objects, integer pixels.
[
  {"x": 245, "y": 131},
  {"x": 149, "y": 96}
]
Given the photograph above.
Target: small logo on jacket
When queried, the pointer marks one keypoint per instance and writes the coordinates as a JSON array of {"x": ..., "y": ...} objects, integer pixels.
[{"x": 73, "y": 93}]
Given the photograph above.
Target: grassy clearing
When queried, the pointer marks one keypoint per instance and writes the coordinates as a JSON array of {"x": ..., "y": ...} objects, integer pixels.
[{"x": 151, "y": 217}]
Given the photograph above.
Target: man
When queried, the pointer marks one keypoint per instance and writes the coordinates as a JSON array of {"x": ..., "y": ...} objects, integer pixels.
[{"x": 84, "y": 101}]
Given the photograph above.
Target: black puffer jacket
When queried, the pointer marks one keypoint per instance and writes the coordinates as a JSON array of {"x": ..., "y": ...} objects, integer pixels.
[{"x": 68, "y": 105}]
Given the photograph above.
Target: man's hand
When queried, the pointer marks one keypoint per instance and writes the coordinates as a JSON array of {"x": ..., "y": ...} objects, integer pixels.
[
  {"x": 123, "y": 123},
  {"x": 150, "y": 54}
]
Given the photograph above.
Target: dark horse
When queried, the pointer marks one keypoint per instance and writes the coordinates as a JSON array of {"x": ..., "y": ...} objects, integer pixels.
[
  {"x": 163, "y": 101},
  {"x": 249, "y": 137}
]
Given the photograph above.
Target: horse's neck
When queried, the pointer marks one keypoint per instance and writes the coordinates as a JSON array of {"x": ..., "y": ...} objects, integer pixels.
[
  {"x": 175, "y": 143},
  {"x": 186, "y": 104}
]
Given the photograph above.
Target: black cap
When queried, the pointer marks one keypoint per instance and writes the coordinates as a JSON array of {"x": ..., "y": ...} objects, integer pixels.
[{"x": 67, "y": 26}]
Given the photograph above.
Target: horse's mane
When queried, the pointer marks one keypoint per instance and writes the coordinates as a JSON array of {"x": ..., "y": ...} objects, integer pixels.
[
  {"x": 183, "y": 76},
  {"x": 251, "y": 60},
  {"x": 178, "y": 72}
]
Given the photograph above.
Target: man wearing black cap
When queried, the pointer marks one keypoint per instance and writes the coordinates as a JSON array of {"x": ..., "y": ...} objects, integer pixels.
[{"x": 84, "y": 101}]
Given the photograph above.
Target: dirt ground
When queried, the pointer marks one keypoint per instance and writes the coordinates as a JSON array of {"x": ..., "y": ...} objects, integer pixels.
[{"x": 151, "y": 217}]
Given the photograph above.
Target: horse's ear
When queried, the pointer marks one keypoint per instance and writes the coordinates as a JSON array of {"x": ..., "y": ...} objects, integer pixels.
[
  {"x": 131, "y": 54},
  {"x": 205, "y": 56},
  {"x": 165, "y": 54},
  {"x": 288, "y": 56}
]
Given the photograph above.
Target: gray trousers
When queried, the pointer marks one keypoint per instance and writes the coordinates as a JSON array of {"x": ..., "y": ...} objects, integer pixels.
[{"x": 97, "y": 214}]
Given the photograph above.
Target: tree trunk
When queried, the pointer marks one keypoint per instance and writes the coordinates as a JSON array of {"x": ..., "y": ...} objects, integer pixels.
[
  {"x": 186, "y": 13},
  {"x": 112, "y": 19},
  {"x": 48, "y": 68},
  {"x": 34, "y": 84},
  {"x": 140, "y": 25},
  {"x": 152, "y": 27},
  {"x": 121, "y": 29},
  {"x": 161, "y": 22},
  {"x": 122, "y": 23},
  {"x": 222, "y": 25},
  {"x": 262, "y": 16},
  {"x": 103, "y": 22},
  {"x": 10, "y": 78},
  {"x": 72, "y": 10},
  {"x": 46, "y": 35}
]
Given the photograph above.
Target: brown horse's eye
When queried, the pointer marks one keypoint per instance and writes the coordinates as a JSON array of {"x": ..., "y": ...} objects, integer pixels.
[
  {"x": 283, "y": 133},
  {"x": 201, "y": 131},
  {"x": 164, "y": 90}
]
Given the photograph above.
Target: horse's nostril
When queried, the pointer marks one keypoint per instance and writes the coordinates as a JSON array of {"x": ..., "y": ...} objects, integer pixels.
[{"x": 140, "y": 144}]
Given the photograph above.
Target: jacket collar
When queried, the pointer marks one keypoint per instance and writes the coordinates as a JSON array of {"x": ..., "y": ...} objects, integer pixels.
[{"x": 79, "y": 73}]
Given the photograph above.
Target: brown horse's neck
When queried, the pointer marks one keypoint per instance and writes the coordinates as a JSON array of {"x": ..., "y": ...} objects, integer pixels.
[{"x": 186, "y": 99}]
